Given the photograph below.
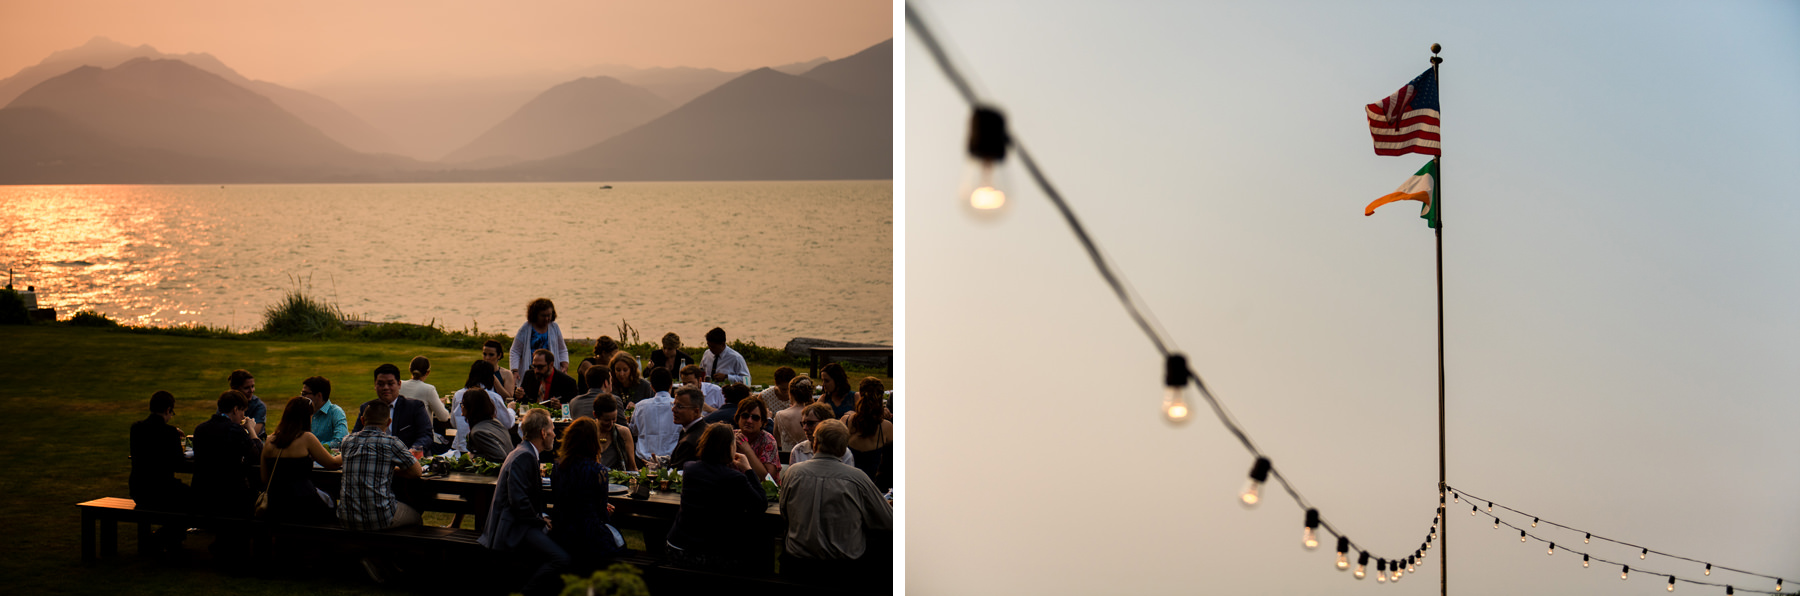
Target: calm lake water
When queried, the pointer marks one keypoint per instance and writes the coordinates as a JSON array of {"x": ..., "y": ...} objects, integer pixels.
[{"x": 768, "y": 261}]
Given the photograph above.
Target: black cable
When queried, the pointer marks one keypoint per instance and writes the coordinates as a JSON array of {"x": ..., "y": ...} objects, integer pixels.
[
  {"x": 1645, "y": 572},
  {"x": 1121, "y": 288},
  {"x": 1614, "y": 541}
]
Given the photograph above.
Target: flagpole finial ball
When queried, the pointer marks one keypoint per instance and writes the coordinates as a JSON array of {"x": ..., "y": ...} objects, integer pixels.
[{"x": 1435, "y": 48}]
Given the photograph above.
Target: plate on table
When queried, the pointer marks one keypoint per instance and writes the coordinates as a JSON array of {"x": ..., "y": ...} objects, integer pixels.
[{"x": 617, "y": 489}]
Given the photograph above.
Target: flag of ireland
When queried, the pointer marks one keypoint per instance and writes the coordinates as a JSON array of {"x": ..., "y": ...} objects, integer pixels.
[{"x": 1421, "y": 187}]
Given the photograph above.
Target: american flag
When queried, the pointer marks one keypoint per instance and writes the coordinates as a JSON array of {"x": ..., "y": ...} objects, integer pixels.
[{"x": 1407, "y": 121}]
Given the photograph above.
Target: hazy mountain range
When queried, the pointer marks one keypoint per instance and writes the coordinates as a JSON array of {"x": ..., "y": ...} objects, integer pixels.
[{"x": 110, "y": 113}]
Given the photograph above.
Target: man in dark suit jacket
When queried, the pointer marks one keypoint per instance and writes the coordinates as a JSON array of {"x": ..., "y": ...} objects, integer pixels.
[
  {"x": 225, "y": 454},
  {"x": 544, "y": 384},
  {"x": 686, "y": 411},
  {"x": 516, "y": 520},
  {"x": 412, "y": 423},
  {"x": 156, "y": 452}
]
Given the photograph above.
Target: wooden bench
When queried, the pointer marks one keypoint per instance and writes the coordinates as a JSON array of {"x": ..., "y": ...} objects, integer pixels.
[{"x": 105, "y": 514}]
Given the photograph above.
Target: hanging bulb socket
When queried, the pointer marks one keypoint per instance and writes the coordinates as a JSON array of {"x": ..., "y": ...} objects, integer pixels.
[
  {"x": 1729, "y": 591},
  {"x": 1587, "y": 539},
  {"x": 1343, "y": 552},
  {"x": 1381, "y": 571},
  {"x": 1259, "y": 473},
  {"x": 1709, "y": 568},
  {"x": 988, "y": 142},
  {"x": 1671, "y": 583},
  {"x": 1496, "y": 523},
  {"x": 1584, "y": 561},
  {"x": 1472, "y": 510},
  {"x": 1625, "y": 572},
  {"x": 1175, "y": 378},
  {"x": 1362, "y": 563},
  {"x": 1521, "y": 535},
  {"x": 1310, "y": 539},
  {"x": 1644, "y": 553},
  {"x": 1534, "y": 522},
  {"x": 1552, "y": 550},
  {"x": 1455, "y": 498}
]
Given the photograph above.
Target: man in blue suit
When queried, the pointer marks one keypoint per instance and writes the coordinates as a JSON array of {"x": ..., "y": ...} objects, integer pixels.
[{"x": 516, "y": 520}]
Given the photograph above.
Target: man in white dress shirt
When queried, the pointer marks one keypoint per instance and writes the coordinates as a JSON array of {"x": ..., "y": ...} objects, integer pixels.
[
  {"x": 653, "y": 420},
  {"x": 722, "y": 360},
  {"x": 694, "y": 376}
]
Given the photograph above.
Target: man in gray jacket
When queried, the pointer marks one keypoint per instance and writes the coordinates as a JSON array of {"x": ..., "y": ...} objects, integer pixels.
[{"x": 516, "y": 519}]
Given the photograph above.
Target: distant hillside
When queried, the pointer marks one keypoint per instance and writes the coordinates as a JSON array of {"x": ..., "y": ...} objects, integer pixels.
[
  {"x": 42, "y": 147},
  {"x": 565, "y": 118},
  {"x": 328, "y": 117},
  {"x": 764, "y": 125},
  {"x": 173, "y": 106},
  {"x": 869, "y": 72}
]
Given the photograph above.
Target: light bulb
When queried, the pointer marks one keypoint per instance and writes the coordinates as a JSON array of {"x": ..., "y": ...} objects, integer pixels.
[
  {"x": 1552, "y": 550},
  {"x": 1490, "y": 506},
  {"x": 1521, "y": 535},
  {"x": 988, "y": 142},
  {"x": 1343, "y": 561},
  {"x": 1778, "y": 584},
  {"x": 1643, "y": 554},
  {"x": 1472, "y": 510},
  {"x": 1496, "y": 523},
  {"x": 1343, "y": 550},
  {"x": 1671, "y": 583},
  {"x": 1709, "y": 568},
  {"x": 1409, "y": 566},
  {"x": 1381, "y": 571},
  {"x": 1175, "y": 376},
  {"x": 1534, "y": 522},
  {"x": 1587, "y": 539},
  {"x": 1625, "y": 572},
  {"x": 1259, "y": 473},
  {"x": 1455, "y": 498},
  {"x": 1310, "y": 539},
  {"x": 1360, "y": 573},
  {"x": 1584, "y": 561}
]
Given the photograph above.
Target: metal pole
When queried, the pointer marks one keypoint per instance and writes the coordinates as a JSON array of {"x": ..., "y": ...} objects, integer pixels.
[{"x": 1438, "y": 205}]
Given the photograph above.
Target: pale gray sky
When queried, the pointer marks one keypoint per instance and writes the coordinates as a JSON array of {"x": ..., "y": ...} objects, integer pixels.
[{"x": 1621, "y": 265}]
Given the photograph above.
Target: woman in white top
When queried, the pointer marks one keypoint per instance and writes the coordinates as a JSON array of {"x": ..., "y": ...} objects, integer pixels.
[
  {"x": 418, "y": 389},
  {"x": 539, "y": 333}
]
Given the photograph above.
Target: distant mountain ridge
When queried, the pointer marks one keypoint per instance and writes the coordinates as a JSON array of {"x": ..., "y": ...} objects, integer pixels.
[
  {"x": 565, "y": 118},
  {"x": 328, "y": 117}
]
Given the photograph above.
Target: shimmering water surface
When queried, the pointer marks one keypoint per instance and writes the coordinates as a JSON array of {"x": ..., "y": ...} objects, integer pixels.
[{"x": 768, "y": 261}]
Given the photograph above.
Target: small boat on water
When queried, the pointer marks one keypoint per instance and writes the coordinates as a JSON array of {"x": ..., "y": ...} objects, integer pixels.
[{"x": 606, "y": 187}]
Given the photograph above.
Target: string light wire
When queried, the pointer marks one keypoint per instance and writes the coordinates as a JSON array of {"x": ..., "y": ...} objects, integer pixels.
[{"x": 1128, "y": 298}]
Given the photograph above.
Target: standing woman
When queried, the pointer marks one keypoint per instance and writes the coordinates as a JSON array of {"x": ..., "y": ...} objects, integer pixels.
[
  {"x": 628, "y": 386},
  {"x": 837, "y": 390},
  {"x": 540, "y": 332},
  {"x": 871, "y": 436},
  {"x": 287, "y": 460}
]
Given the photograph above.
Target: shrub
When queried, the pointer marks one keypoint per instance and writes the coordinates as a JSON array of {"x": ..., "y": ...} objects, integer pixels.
[
  {"x": 88, "y": 318},
  {"x": 299, "y": 315},
  {"x": 619, "y": 579},
  {"x": 12, "y": 309}
]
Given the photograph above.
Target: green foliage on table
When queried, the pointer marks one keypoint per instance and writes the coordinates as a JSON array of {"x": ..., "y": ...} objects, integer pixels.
[
  {"x": 619, "y": 579},
  {"x": 770, "y": 490},
  {"x": 464, "y": 462}
]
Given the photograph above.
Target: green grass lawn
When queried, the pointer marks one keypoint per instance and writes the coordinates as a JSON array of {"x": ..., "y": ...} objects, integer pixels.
[{"x": 69, "y": 397}]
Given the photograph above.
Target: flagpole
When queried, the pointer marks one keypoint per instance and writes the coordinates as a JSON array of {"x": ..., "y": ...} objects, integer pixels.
[{"x": 1438, "y": 232}]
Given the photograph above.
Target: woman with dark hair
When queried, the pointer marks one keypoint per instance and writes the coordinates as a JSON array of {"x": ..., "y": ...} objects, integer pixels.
[
  {"x": 481, "y": 380},
  {"x": 486, "y": 438},
  {"x": 287, "y": 461},
  {"x": 539, "y": 332},
  {"x": 578, "y": 522},
  {"x": 604, "y": 351},
  {"x": 752, "y": 417},
  {"x": 837, "y": 389},
  {"x": 871, "y": 436},
  {"x": 720, "y": 497},
  {"x": 628, "y": 385}
]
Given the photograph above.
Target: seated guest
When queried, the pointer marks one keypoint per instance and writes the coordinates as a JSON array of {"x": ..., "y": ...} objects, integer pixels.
[
  {"x": 670, "y": 356},
  {"x": 628, "y": 386},
  {"x": 241, "y": 382},
  {"x": 787, "y": 421},
  {"x": 751, "y": 419},
  {"x": 604, "y": 351},
  {"x": 616, "y": 446},
  {"x": 543, "y": 384},
  {"x": 810, "y": 418},
  {"x": 722, "y": 360},
  {"x": 830, "y": 508},
  {"x": 653, "y": 420},
  {"x": 156, "y": 453},
  {"x": 287, "y": 463},
  {"x": 713, "y": 396},
  {"x": 599, "y": 383},
  {"x": 720, "y": 499},
  {"x": 685, "y": 410},
  {"x": 481, "y": 374},
  {"x": 727, "y": 413},
  {"x": 426, "y": 393},
  {"x": 871, "y": 436},
  {"x": 225, "y": 452},
  {"x": 372, "y": 458},
  {"x": 578, "y": 523},
  {"x": 411, "y": 423},
  {"x": 540, "y": 332},
  {"x": 516, "y": 520},
  {"x": 328, "y": 421},
  {"x": 776, "y": 396},
  {"x": 837, "y": 390},
  {"x": 504, "y": 381},
  {"x": 486, "y": 438}
]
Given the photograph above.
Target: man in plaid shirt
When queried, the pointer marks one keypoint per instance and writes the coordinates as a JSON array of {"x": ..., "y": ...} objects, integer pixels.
[{"x": 371, "y": 459}]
